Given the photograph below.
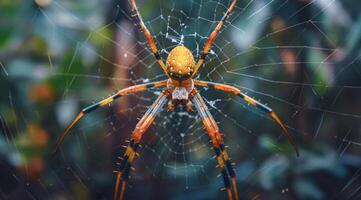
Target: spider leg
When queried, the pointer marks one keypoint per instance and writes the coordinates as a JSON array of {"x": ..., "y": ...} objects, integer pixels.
[
  {"x": 253, "y": 102},
  {"x": 153, "y": 47},
  {"x": 122, "y": 92},
  {"x": 221, "y": 155},
  {"x": 131, "y": 150},
  {"x": 213, "y": 35}
]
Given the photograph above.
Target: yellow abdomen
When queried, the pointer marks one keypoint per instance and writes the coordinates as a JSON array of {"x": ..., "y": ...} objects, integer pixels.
[{"x": 180, "y": 63}]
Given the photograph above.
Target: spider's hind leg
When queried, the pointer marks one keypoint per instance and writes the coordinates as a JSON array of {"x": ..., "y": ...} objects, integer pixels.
[
  {"x": 131, "y": 151},
  {"x": 230, "y": 169},
  {"x": 124, "y": 169},
  {"x": 222, "y": 157}
]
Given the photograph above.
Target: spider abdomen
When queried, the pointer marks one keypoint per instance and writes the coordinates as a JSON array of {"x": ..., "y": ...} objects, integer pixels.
[{"x": 180, "y": 63}]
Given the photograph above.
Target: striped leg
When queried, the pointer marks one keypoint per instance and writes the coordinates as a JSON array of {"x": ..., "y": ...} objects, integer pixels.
[
  {"x": 139, "y": 21},
  {"x": 130, "y": 153},
  {"x": 122, "y": 92},
  {"x": 230, "y": 170},
  {"x": 213, "y": 35},
  {"x": 222, "y": 157},
  {"x": 251, "y": 101}
]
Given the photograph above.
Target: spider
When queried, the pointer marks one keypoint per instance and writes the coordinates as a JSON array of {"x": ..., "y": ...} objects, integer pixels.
[{"x": 179, "y": 89}]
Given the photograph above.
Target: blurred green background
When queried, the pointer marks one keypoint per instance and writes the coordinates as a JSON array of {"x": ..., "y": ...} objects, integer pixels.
[{"x": 301, "y": 57}]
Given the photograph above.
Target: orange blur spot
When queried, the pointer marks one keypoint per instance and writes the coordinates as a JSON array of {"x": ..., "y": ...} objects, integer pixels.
[
  {"x": 278, "y": 24},
  {"x": 41, "y": 93},
  {"x": 289, "y": 59},
  {"x": 33, "y": 168},
  {"x": 38, "y": 136}
]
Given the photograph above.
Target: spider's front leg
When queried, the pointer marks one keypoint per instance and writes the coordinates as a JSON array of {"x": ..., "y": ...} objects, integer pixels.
[
  {"x": 139, "y": 21},
  {"x": 213, "y": 35},
  {"x": 131, "y": 150},
  {"x": 218, "y": 145}
]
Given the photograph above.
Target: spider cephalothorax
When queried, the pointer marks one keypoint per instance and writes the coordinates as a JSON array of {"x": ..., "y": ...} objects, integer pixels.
[
  {"x": 180, "y": 92},
  {"x": 179, "y": 89},
  {"x": 180, "y": 63}
]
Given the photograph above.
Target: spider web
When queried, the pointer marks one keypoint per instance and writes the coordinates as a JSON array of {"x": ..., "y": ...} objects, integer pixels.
[{"x": 264, "y": 49}]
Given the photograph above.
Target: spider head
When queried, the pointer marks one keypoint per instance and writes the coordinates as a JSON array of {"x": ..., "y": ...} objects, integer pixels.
[{"x": 180, "y": 63}]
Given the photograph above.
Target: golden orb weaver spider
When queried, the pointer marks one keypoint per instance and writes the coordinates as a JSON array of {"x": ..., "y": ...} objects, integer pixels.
[{"x": 179, "y": 90}]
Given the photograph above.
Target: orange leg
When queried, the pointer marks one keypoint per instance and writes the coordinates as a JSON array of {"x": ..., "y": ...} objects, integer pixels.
[
  {"x": 122, "y": 92},
  {"x": 213, "y": 35},
  {"x": 251, "y": 101},
  {"x": 153, "y": 47},
  {"x": 131, "y": 150},
  {"x": 222, "y": 157}
]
